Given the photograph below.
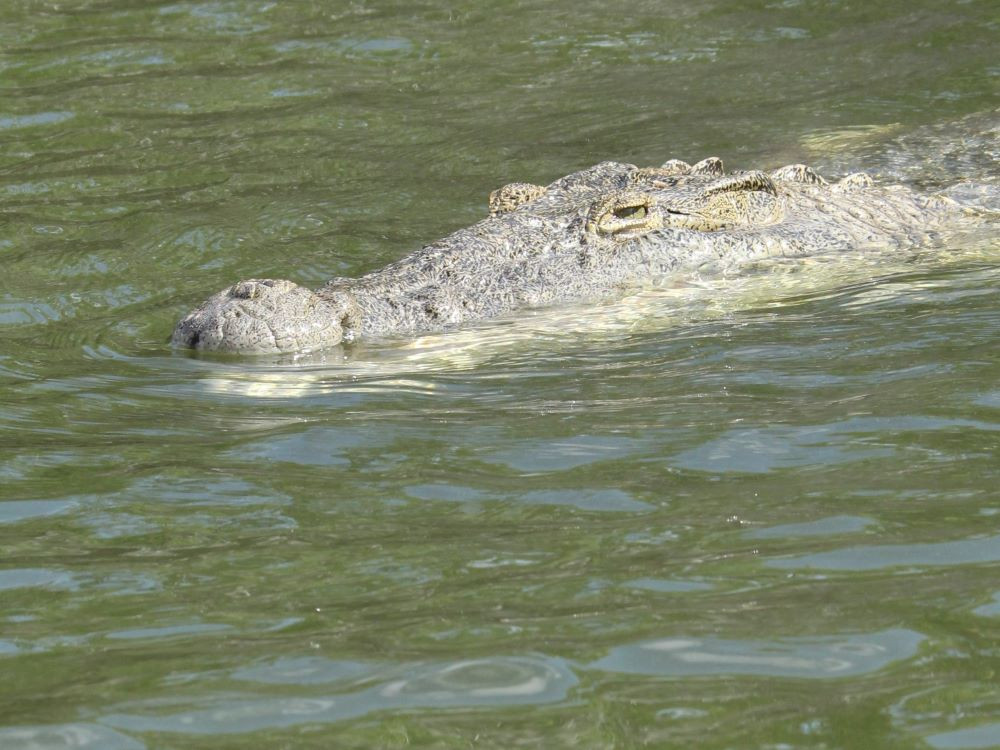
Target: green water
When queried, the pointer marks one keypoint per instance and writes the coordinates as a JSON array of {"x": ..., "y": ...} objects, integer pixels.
[{"x": 761, "y": 513}]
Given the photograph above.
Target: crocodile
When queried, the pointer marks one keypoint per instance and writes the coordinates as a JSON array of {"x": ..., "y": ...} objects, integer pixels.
[{"x": 589, "y": 236}]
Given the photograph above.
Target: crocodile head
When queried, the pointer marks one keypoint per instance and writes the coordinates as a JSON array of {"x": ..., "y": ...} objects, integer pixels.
[{"x": 584, "y": 237}]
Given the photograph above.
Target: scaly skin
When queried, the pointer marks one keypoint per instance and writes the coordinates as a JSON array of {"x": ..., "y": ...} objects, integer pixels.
[{"x": 588, "y": 236}]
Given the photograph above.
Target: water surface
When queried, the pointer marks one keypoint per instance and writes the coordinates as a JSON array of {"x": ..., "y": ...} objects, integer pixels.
[{"x": 757, "y": 512}]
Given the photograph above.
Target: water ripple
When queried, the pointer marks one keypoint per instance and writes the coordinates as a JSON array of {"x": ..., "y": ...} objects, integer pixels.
[
  {"x": 982, "y": 736},
  {"x": 170, "y": 631},
  {"x": 831, "y": 525},
  {"x": 12, "y": 511},
  {"x": 820, "y": 657},
  {"x": 913, "y": 556},
  {"x": 498, "y": 681},
  {"x": 78, "y": 736},
  {"x": 765, "y": 449},
  {"x": 26, "y": 121}
]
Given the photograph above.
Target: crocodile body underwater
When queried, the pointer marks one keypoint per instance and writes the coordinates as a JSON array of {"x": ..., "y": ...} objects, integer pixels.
[{"x": 589, "y": 236}]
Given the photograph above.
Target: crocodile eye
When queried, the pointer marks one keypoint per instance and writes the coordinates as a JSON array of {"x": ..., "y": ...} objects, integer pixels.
[
  {"x": 623, "y": 213},
  {"x": 631, "y": 212}
]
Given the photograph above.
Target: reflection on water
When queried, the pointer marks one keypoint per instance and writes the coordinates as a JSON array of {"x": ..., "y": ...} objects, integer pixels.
[
  {"x": 958, "y": 715},
  {"x": 500, "y": 681},
  {"x": 303, "y": 671},
  {"x": 18, "y": 510},
  {"x": 658, "y": 584},
  {"x": 15, "y": 578},
  {"x": 566, "y": 454},
  {"x": 80, "y": 736},
  {"x": 990, "y": 610},
  {"x": 769, "y": 448},
  {"x": 815, "y": 657},
  {"x": 986, "y": 735},
  {"x": 610, "y": 500},
  {"x": 169, "y": 632},
  {"x": 820, "y": 527},
  {"x": 917, "y": 556}
]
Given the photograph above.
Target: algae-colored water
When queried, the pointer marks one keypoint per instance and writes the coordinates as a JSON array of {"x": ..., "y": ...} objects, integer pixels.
[{"x": 747, "y": 513}]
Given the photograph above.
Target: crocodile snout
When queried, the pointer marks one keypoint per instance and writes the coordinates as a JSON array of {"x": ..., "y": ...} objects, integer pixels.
[{"x": 263, "y": 316}]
